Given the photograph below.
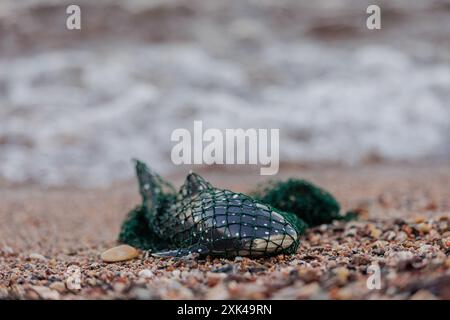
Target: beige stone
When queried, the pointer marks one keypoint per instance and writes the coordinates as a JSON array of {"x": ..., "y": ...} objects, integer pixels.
[
  {"x": 120, "y": 253},
  {"x": 423, "y": 295},
  {"x": 424, "y": 227},
  {"x": 46, "y": 293},
  {"x": 419, "y": 219},
  {"x": 37, "y": 256},
  {"x": 447, "y": 263},
  {"x": 58, "y": 286}
]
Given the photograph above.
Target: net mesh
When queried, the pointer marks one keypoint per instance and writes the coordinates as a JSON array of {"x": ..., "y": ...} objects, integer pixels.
[
  {"x": 207, "y": 220},
  {"x": 314, "y": 205}
]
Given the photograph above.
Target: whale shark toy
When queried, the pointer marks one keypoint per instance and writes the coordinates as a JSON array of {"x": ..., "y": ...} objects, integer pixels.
[{"x": 202, "y": 219}]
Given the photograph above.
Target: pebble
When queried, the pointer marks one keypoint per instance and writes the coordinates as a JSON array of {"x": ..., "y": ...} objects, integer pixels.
[
  {"x": 146, "y": 273},
  {"x": 143, "y": 294},
  {"x": 58, "y": 286},
  {"x": 424, "y": 227},
  {"x": 3, "y": 293},
  {"x": 8, "y": 250},
  {"x": 401, "y": 236},
  {"x": 375, "y": 233},
  {"x": 419, "y": 219},
  {"x": 119, "y": 286},
  {"x": 389, "y": 235},
  {"x": 308, "y": 275},
  {"x": 404, "y": 255},
  {"x": 423, "y": 295},
  {"x": 447, "y": 263},
  {"x": 212, "y": 279},
  {"x": 120, "y": 253},
  {"x": 46, "y": 293},
  {"x": 425, "y": 248},
  {"x": 342, "y": 274},
  {"x": 360, "y": 260},
  {"x": 176, "y": 273},
  {"x": 308, "y": 291},
  {"x": 219, "y": 292},
  {"x": 37, "y": 256}
]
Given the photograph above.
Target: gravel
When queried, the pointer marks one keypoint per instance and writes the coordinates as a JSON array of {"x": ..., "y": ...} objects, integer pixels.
[{"x": 48, "y": 237}]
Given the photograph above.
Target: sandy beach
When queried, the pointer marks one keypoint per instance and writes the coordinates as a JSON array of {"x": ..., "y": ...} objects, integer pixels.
[{"x": 403, "y": 226}]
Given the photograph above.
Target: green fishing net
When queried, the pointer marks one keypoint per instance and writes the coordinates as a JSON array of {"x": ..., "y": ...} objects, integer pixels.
[
  {"x": 200, "y": 218},
  {"x": 314, "y": 205}
]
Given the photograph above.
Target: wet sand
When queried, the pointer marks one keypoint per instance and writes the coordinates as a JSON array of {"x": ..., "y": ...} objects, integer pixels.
[{"x": 403, "y": 227}]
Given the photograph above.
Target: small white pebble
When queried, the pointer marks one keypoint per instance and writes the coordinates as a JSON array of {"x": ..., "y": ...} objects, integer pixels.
[
  {"x": 176, "y": 273},
  {"x": 146, "y": 273},
  {"x": 37, "y": 256}
]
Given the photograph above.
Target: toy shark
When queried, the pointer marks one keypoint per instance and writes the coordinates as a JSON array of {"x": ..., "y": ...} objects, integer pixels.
[{"x": 202, "y": 219}]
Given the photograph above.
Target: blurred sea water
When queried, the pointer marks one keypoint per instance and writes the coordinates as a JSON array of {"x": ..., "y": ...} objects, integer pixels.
[{"x": 76, "y": 111}]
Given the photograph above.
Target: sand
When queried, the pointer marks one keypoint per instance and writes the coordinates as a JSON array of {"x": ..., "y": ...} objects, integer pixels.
[{"x": 48, "y": 236}]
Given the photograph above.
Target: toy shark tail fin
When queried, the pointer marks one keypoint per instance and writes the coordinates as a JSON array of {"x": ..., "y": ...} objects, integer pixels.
[{"x": 152, "y": 187}]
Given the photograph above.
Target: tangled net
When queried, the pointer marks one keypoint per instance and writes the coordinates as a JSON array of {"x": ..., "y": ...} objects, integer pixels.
[
  {"x": 314, "y": 205},
  {"x": 200, "y": 218}
]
